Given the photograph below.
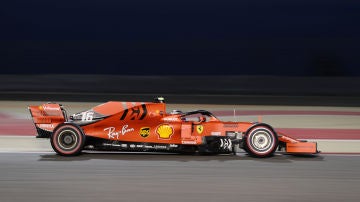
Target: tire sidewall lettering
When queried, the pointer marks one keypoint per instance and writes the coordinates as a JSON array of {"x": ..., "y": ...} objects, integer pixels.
[
  {"x": 273, "y": 140},
  {"x": 78, "y": 134}
]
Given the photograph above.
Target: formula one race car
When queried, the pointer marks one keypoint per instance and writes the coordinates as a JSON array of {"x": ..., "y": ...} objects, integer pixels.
[{"x": 134, "y": 126}]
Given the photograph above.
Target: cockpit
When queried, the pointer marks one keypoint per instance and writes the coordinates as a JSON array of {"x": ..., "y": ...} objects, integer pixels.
[{"x": 198, "y": 116}]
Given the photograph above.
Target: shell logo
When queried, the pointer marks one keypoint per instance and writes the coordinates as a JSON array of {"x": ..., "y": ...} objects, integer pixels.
[{"x": 165, "y": 131}]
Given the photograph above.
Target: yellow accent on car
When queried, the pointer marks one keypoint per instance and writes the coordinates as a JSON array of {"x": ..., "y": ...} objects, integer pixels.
[
  {"x": 199, "y": 129},
  {"x": 165, "y": 131}
]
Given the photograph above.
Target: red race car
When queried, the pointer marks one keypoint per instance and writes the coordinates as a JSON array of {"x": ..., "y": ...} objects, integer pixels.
[{"x": 135, "y": 126}]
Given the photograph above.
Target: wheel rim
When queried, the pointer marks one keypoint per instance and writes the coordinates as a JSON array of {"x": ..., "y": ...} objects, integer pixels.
[
  {"x": 67, "y": 139},
  {"x": 261, "y": 141}
]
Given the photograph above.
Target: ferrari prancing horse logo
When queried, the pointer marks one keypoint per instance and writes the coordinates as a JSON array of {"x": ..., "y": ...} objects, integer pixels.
[{"x": 199, "y": 129}]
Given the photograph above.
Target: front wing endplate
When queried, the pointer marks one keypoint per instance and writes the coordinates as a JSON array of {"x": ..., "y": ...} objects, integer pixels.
[{"x": 302, "y": 147}]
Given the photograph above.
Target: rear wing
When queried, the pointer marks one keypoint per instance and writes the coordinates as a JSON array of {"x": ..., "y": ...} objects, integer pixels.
[{"x": 46, "y": 117}]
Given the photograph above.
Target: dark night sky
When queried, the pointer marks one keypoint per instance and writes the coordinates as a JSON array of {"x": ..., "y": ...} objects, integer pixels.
[{"x": 256, "y": 37}]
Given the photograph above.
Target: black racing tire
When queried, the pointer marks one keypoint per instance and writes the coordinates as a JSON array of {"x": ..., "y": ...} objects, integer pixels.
[
  {"x": 261, "y": 141},
  {"x": 67, "y": 140}
]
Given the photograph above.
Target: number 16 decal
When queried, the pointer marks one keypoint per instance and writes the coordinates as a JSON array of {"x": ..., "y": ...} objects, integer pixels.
[{"x": 87, "y": 116}]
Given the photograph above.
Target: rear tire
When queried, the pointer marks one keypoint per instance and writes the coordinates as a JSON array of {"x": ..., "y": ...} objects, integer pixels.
[
  {"x": 67, "y": 140},
  {"x": 261, "y": 141}
]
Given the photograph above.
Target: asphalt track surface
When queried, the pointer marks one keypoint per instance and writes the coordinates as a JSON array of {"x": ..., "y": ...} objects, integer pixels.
[
  {"x": 161, "y": 177},
  {"x": 44, "y": 176}
]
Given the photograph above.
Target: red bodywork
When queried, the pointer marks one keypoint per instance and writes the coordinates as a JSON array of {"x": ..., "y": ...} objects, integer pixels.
[{"x": 149, "y": 123}]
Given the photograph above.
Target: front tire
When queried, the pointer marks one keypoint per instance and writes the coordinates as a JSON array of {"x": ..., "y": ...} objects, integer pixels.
[
  {"x": 67, "y": 140},
  {"x": 261, "y": 141}
]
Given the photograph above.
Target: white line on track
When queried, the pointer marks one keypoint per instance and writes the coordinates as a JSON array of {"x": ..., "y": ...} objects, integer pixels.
[
  {"x": 240, "y": 154},
  {"x": 26, "y": 152},
  {"x": 32, "y": 144}
]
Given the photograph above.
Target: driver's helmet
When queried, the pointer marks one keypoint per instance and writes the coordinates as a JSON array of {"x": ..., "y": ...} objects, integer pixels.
[
  {"x": 202, "y": 119},
  {"x": 175, "y": 111},
  {"x": 159, "y": 100}
]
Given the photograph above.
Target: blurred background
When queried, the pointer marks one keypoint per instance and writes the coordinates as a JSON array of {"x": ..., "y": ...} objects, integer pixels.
[
  {"x": 186, "y": 37},
  {"x": 258, "y": 59},
  {"x": 259, "y": 41}
]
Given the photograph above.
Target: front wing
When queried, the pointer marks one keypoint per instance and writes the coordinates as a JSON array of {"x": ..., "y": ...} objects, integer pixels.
[{"x": 295, "y": 146}]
